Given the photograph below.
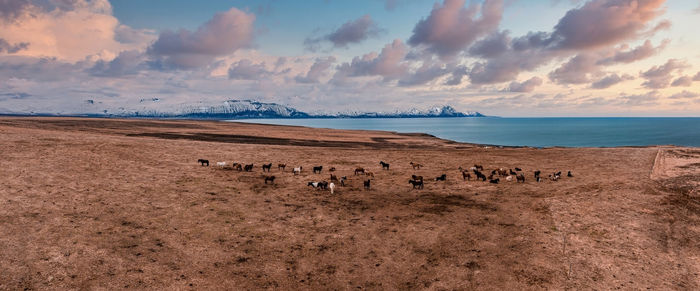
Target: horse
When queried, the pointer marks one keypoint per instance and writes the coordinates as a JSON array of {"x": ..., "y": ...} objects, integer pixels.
[
  {"x": 480, "y": 175},
  {"x": 296, "y": 171},
  {"x": 369, "y": 174},
  {"x": 323, "y": 185},
  {"x": 318, "y": 169},
  {"x": 332, "y": 169},
  {"x": 332, "y": 187},
  {"x": 359, "y": 171},
  {"x": 237, "y": 166},
  {"x": 312, "y": 184},
  {"x": 415, "y": 165},
  {"x": 221, "y": 164},
  {"x": 270, "y": 178},
  {"x": 416, "y": 184},
  {"x": 268, "y": 167},
  {"x": 537, "y": 174},
  {"x": 466, "y": 175},
  {"x": 442, "y": 177},
  {"x": 509, "y": 178},
  {"x": 248, "y": 168},
  {"x": 367, "y": 184},
  {"x": 518, "y": 169},
  {"x": 281, "y": 166},
  {"x": 417, "y": 178},
  {"x": 385, "y": 166},
  {"x": 203, "y": 161},
  {"x": 569, "y": 174},
  {"x": 512, "y": 173},
  {"x": 334, "y": 178},
  {"x": 342, "y": 180},
  {"x": 479, "y": 167},
  {"x": 520, "y": 178},
  {"x": 494, "y": 181}
]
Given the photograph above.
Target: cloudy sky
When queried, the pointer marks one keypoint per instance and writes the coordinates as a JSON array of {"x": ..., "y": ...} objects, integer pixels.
[{"x": 499, "y": 57}]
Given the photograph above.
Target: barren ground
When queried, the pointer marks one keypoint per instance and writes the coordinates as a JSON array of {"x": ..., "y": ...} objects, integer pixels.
[{"x": 109, "y": 204}]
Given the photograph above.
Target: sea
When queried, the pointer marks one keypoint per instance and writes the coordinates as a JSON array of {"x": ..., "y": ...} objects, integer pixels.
[{"x": 533, "y": 132}]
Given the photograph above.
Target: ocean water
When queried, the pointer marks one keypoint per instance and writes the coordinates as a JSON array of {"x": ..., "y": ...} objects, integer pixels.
[{"x": 535, "y": 132}]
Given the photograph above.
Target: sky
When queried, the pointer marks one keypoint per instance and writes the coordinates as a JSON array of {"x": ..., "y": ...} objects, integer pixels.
[{"x": 498, "y": 57}]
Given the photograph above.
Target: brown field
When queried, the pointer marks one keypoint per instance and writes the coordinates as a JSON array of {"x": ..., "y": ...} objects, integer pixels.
[{"x": 110, "y": 204}]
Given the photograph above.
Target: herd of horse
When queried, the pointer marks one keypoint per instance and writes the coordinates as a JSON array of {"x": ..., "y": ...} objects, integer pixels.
[{"x": 416, "y": 181}]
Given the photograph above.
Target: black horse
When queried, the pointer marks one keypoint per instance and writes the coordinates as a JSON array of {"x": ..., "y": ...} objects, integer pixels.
[
  {"x": 248, "y": 168},
  {"x": 270, "y": 178},
  {"x": 494, "y": 181},
  {"x": 203, "y": 161},
  {"x": 442, "y": 177},
  {"x": 268, "y": 167},
  {"x": 318, "y": 169},
  {"x": 385, "y": 166},
  {"x": 480, "y": 175},
  {"x": 367, "y": 184},
  {"x": 537, "y": 175},
  {"x": 416, "y": 184}
]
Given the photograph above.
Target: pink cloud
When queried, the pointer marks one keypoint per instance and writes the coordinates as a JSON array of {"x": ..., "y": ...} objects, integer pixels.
[
  {"x": 526, "y": 86},
  {"x": 388, "y": 63},
  {"x": 641, "y": 52},
  {"x": 604, "y": 22},
  {"x": 225, "y": 33},
  {"x": 317, "y": 70},
  {"x": 451, "y": 27},
  {"x": 660, "y": 76},
  {"x": 610, "y": 80}
]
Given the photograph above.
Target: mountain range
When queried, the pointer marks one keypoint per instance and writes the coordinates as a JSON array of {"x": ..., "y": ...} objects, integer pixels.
[{"x": 247, "y": 109}]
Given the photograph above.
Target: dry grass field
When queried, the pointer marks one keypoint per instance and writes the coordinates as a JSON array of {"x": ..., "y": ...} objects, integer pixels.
[{"x": 109, "y": 204}]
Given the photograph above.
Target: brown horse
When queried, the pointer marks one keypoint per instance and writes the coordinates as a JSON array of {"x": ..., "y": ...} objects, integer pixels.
[
  {"x": 415, "y": 165},
  {"x": 359, "y": 171}
]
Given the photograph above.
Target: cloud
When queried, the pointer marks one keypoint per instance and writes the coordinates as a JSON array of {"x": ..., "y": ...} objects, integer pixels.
[
  {"x": 126, "y": 63},
  {"x": 247, "y": 70},
  {"x": 38, "y": 69},
  {"x": 645, "y": 99},
  {"x": 72, "y": 30},
  {"x": 354, "y": 31},
  {"x": 659, "y": 77},
  {"x": 11, "y": 9},
  {"x": 684, "y": 95},
  {"x": 6, "y": 47},
  {"x": 641, "y": 52},
  {"x": 697, "y": 77},
  {"x": 604, "y": 22},
  {"x": 491, "y": 46},
  {"x": 317, "y": 70},
  {"x": 388, "y": 63},
  {"x": 576, "y": 70},
  {"x": 427, "y": 72},
  {"x": 225, "y": 33},
  {"x": 451, "y": 27},
  {"x": 610, "y": 80},
  {"x": 683, "y": 81},
  {"x": 526, "y": 86}
]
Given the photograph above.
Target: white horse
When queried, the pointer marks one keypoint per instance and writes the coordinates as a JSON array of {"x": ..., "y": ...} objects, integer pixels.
[
  {"x": 332, "y": 187},
  {"x": 297, "y": 171},
  {"x": 221, "y": 164}
]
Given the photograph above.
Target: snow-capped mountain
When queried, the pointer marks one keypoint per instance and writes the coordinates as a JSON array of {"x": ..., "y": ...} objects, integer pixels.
[
  {"x": 242, "y": 109},
  {"x": 436, "y": 111},
  {"x": 245, "y": 109}
]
